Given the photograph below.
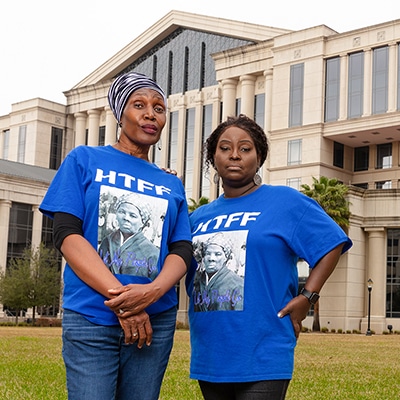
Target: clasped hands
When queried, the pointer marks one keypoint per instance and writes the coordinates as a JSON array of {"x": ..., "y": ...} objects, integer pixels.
[{"x": 128, "y": 303}]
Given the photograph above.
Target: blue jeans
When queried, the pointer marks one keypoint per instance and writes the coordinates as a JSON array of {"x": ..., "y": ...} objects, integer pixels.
[{"x": 100, "y": 366}]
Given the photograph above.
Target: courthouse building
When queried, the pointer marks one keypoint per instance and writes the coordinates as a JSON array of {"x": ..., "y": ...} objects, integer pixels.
[{"x": 328, "y": 101}]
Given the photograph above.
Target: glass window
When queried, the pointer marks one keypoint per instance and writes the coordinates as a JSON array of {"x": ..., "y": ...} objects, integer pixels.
[
  {"x": 186, "y": 70},
  {"x": 56, "y": 147},
  {"x": 393, "y": 274},
  {"x": 294, "y": 183},
  {"x": 384, "y": 156},
  {"x": 238, "y": 106},
  {"x": 6, "y": 143},
  {"x": 206, "y": 131},
  {"x": 361, "y": 185},
  {"x": 356, "y": 85},
  {"x": 398, "y": 77},
  {"x": 361, "y": 158},
  {"x": 21, "y": 143},
  {"x": 102, "y": 135},
  {"x": 259, "y": 109},
  {"x": 380, "y": 71},
  {"x": 294, "y": 152},
  {"x": 19, "y": 229},
  {"x": 296, "y": 95},
  {"x": 173, "y": 140},
  {"x": 338, "y": 154},
  {"x": 383, "y": 185},
  {"x": 189, "y": 152},
  {"x": 332, "y": 89}
]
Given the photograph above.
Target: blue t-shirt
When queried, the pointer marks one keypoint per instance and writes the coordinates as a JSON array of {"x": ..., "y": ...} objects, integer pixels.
[
  {"x": 131, "y": 211},
  {"x": 236, "y": 335}
]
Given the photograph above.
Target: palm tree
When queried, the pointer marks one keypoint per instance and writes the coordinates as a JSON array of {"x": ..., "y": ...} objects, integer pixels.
[
  {"x": 196, "y": 204},
  {"x": 331, "y": 196}
]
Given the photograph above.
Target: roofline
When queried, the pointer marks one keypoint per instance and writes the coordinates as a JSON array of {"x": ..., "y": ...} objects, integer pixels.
[{"x": 164, "y": 27}]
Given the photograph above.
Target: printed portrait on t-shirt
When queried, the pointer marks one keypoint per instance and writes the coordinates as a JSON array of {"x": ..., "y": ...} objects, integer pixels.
[
  {"x": 219, "y": 279},
  {"x": 129, "y": 231}
]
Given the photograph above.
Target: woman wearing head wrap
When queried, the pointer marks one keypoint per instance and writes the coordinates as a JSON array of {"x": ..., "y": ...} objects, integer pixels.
[{"x": 119, "y": 302}]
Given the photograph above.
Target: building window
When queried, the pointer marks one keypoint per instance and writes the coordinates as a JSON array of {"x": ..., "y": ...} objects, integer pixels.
[
  {"x": 154, "y": 72},
  {"x": 398, "y": 77},
  {"x": 393, "y": 274},
  {"x": 6, "y": 143},
  {"x": 294, "y": 183},
  {"x": 332, "y": 89},
  {"x": 361, "y": 158},
  {"x": 56, "y": 147},
  {"x": 296, "y": 95},
  {"x": 170, "y": 72},
  {"x": 338, "y": 154},
  {"x": 186, "y": 70},
  {"x": 384, "y": 156},
  {"x": 259, "y": 109},
  {"x": 383, "y": 185},
  {"x": 189, "y": 152},
  {"x": 21, "y": 143},
  {"x": 356, "y": 85},
  {"x": 173, "y": 140},
  {"x": 102, "y": 135},
  {"x": 361, "y": 185},
  {"x": 205, "y": 133},
  {"x": 380, "y": 72},
  {"x": 202, "y": 65},
  {"x": 238, "y": 106},
  {"x": 19, "y": 229},
  {"x": 294, "y": 152}
]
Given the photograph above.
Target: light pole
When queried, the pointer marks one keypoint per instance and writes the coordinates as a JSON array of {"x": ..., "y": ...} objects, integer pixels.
[{"x": 370, "y": 283}]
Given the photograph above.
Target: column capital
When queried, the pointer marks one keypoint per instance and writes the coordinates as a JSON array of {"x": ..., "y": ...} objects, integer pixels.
[
  {"x": 247, "y": 77},
  {"x": 80, "y": 115},
  {"x": 93, "y": 112}
]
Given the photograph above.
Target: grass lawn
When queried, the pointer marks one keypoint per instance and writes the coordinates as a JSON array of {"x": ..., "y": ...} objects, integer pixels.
[{"x": 328, "y": 367}]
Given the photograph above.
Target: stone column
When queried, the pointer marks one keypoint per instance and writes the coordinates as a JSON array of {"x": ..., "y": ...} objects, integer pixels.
[
  {"x": 5, "y": 207},
  {"x": 111, "y": 127},
  {"x": 80, "y": 128},
  {"x": 367, "y": 100},
  {"x": 376, "y": 270},
  {"x": 392, "y": 78},
  {"x": 344, "y": 82},
  {"x": 198, "y": 147},
  {"x": 228, "y": 98},
  {"x": 36, "y": 227},
  {"x": 94, "y": 123},
  {"x": 268, "y": 99},
  {"x": 248, "y": 92}
]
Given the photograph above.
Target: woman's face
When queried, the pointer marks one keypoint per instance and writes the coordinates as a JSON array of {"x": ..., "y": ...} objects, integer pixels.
[
  {"x": 214, "y": 258},
  {"x": 129, "y": 219},
  {"x": 144, "y": 117},
  {"x": 235, "y": 157}
]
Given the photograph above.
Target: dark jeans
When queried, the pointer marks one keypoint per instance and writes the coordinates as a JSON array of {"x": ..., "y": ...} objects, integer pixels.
[{"x": 262, "y": 390}]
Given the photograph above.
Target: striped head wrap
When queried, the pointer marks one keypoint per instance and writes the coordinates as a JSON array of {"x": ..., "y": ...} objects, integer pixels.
[{"x": 124, "y": 85}]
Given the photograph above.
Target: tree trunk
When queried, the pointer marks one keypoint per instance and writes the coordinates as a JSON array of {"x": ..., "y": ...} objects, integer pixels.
[{"x": 316, "y": 326}]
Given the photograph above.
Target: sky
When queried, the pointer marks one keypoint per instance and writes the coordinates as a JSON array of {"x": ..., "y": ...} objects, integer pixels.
[{"x": 48, "y": 46}]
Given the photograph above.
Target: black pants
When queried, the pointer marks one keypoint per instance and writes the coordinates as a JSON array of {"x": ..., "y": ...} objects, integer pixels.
[{"x": 262, "y": 390}]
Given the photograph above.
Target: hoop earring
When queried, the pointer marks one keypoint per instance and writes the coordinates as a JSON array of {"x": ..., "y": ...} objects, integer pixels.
[
  {"x": 159, "y": 144},
  {"x": 216, "y": 178},
  {"x": 257, "y": 179}
]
